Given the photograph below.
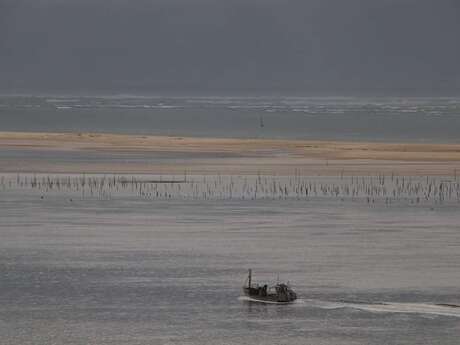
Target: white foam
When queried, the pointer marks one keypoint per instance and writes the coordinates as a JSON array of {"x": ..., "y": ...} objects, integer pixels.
[
  {"x": 418, "y": 308},
  {"x": 414, "y": 308},
  {"x": 249, "y": 299},
  {"x": 411, "y": 308}
]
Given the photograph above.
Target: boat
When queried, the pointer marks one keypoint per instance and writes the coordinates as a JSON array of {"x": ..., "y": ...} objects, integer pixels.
[{"x": 280, "y": 293}]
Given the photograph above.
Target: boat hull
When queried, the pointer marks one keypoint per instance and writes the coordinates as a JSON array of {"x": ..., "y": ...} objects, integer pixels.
[
  {"x": 254, "y": 295},
  {"x": 264, "y": 301}
]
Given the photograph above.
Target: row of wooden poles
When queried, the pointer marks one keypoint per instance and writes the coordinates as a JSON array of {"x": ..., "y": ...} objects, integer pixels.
[{"x": 369, "y": 188}]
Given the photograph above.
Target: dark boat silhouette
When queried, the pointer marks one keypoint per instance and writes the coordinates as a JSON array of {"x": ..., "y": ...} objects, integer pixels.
[{"x": 280, "y": 293}]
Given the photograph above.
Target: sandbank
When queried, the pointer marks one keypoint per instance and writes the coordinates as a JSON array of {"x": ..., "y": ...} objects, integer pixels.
[{"x": 119, "y": 153}]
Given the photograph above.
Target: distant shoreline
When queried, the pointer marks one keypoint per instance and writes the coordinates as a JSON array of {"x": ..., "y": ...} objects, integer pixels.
[{"x": 123, "y": 153}]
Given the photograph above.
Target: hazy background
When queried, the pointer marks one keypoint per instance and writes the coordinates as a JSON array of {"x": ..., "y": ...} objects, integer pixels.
[{"x": 315, "y": 47}]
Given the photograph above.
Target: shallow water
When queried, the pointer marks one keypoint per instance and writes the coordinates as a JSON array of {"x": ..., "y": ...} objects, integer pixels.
[
  {"x": 371, "y": 189},
  {"x": 133, "y": 271}
]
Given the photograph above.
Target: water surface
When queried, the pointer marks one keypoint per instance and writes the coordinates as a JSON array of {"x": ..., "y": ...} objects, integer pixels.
[
  {"x": 131, "y": 271},
  {"x": 329, "y": 118}
]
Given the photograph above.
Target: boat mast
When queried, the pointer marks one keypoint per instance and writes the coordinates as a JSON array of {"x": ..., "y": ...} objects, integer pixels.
[{"x": 249, "y": 277}]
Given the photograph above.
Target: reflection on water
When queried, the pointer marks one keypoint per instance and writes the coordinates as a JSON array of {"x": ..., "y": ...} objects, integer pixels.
[{"x": 137, "y": 271}]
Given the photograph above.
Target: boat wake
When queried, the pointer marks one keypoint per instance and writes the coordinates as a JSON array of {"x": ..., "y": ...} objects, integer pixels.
[
  {"x": 451, "y": 310},
  {"x": 390, "y": 307}
]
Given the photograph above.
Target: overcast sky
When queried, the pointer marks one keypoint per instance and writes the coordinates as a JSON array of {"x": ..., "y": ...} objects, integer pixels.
[{"x": 330, "y": 47}]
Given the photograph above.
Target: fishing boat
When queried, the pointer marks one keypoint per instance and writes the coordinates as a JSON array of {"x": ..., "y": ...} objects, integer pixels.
[{"x": 280, "y": 293}]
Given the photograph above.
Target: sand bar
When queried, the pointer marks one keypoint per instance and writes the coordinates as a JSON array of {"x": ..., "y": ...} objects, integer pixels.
[{"x": 54, "y": 152}]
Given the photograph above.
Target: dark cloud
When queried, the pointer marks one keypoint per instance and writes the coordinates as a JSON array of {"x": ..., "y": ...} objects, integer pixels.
[{"x": 308, "y": 46}]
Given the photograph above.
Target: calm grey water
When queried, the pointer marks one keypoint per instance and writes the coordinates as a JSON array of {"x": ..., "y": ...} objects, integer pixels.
[
  {"x": 381, "y": 119},
  {"x": 130, "y": 271}
]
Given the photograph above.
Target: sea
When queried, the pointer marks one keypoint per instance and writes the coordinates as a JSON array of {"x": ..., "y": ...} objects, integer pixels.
[
  {"x": 115, "y": 260},
  {"x": 322, "y": 118}
]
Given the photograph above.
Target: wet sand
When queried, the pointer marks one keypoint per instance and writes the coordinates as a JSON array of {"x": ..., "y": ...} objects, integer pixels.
[{"x": 116, "y": 153}]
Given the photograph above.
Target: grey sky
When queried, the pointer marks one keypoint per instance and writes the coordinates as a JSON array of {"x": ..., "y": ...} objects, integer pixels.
[{"x": 237, "y": 46}]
